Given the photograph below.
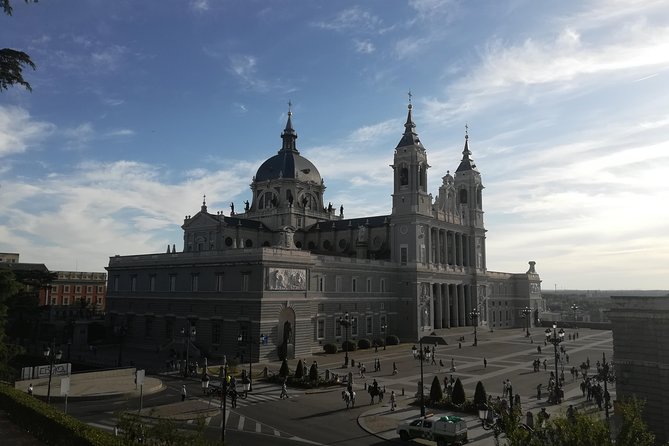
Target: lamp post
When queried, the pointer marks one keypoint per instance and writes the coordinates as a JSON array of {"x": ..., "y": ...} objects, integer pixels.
[
  {"x": 527, "y": 311},
  {"x": 385, "y": 335},
  {"x": 188, "y": 334},
  {"x": 474, "y": 316},
  {"x": 52, "y": 355},
  {"x": 605, "y": 374},
  {"x": 574, "y": 308},
  {"x": 223, "y": 373},
  {"x": 555, "y": 337},
  {"x": 346, "y": 323}
]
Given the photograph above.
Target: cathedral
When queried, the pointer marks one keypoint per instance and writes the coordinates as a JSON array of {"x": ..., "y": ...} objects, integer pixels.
[{"x": 289, "y": 273}]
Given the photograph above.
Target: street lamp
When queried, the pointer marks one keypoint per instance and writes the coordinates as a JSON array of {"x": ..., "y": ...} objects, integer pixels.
[
  {"x": 346, "y": 323},
  {"x": 188, "y": 334},
  {"x": 555, "y": 337},
  {"x": 474, "y": 316},
  {"x": 52, "y": 355},
  {"x": 574, "y": 308},
  {"x": 605, "y": 373},
  {"x": 527, "y": 311},
  {"x": 385, "y": 335}
]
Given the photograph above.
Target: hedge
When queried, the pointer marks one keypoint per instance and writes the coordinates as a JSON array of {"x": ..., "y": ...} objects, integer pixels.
[
  {"x": 392, "y": 340},
  {"x": 330, "y": 348},
  {"x": 48, "y": 424},
  {"x": 364, "y": 343}
]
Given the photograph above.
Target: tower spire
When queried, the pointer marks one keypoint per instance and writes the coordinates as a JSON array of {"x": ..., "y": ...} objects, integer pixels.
[
  {"x": 467, "y": 162},
  {"x": 410, "y": 137},
  {"x": 289, "y": 135}
]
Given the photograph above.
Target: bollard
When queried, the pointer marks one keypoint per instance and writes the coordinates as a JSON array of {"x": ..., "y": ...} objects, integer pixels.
[
  {"x": 264, "y": 372},
  {"x": 365, "y": 385},
  {"x": 384, "y": 389},
  {"x": 352, "y": 362},
  {"x": 402, "y": 391}
]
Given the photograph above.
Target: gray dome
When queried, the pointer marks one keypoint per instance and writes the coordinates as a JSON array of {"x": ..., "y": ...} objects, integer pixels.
[{"x": 288, "y": 164}]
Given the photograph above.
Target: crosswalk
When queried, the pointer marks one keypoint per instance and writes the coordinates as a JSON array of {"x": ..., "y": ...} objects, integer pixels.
[{"x": 262, "y": 393}]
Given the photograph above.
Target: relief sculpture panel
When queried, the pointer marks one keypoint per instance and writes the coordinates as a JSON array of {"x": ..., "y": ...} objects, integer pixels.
[{"x": 287, "y": 279}]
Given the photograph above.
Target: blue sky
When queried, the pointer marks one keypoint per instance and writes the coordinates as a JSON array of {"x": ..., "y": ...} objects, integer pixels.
[{"x": 140, "y": 107}]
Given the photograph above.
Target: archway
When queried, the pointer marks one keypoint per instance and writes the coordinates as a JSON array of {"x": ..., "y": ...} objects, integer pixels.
[{"x": 287, "y": 332}]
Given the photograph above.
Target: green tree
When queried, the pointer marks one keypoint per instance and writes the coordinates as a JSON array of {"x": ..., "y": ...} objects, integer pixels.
[
  {"x": 581, "y": 430},
  {"x": 299, "y": 370},
  {"x": 458, "y": 395},
  {"x": 313, "y": 372},
  {"x": 8, "y": 288},
  {"x": 12, "y": 62},
  {"x": 480, "y": 396},
  {"x": 284, "y": 370},
  {"x": 436, "y": 392}
]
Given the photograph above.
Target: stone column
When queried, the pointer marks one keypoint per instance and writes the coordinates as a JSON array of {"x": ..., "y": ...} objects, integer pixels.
[
  {"x": 460, "y": 256},
  {"x": 456, "y": 311},
  {"x": 461, "y": 305},
  {"x": 446, "y": 306},
  {"x": 437, "y": 305},
  {"x": 437, "y": 241}
]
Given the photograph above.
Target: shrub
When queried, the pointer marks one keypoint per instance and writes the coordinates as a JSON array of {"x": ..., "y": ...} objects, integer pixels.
[
  {"x": 480, "y": 397},
  {"x": 330, "y": 348},
  {"x": 313, "y": 372},
  {"x": 364, "y": 343},
  {"x": 458, "y": 396},
  {"x": 349, "y": 346},
  {"x": 284, "y": 370},
  {"x": 436, "y": 393},
  {"x": 392, "y": 340},
  {"x": 299, "y": 370}
]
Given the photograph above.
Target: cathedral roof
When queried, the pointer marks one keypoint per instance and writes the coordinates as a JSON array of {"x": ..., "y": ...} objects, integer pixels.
[
  {"x": 288, "y": 163},
  {"x": 410, "y": 137},
  {"x": 467, "y": 162}
]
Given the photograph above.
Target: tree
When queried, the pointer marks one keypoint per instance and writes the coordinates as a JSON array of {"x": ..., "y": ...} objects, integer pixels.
[
  {"x": 313, "y": 372},
  {"x": 458, "y": 396},
  {"x": 436, "y": 392},
  {"x": 582, "y": 429},
  {"x": 284, "y": 370},
  {"x": 299, "y": 370},
  {"x": 8, "y": 288},
  {"x": 480, "y": 396},
  {"x": 12, "y": 62}
]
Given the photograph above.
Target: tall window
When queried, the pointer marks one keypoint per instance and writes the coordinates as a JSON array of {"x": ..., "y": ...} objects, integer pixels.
[
  {"x": 354, "y": 326},
  {"x": 152, "y": 282},
  {"x": 369, "y": 284},
  {"x": 320, "y": 328},
  {"x": 148, "y": 326},
  {"x": 338, "y": 284},
  {"x": 354, "y": 284},
  {"x": 133, "y": 283},
  {"x": 173, "y": 282},
  {"x": 67, "y": 287},
  {"x": 194, "y": 282},
  {"x": 219, "y": 282},
  {"x": 321, "y": 283},
  {"x": 66, "y": 300},
  {"x": 404, "y": 254},
  {"x": 216, "y": 333},
  {"x": 245, "y": 281},
  {"x": 383, "y": 285},
  {"x": 368, "y": 325},
  {"x": 338, "y": 327},
  {"x": 383, "y": 325}
]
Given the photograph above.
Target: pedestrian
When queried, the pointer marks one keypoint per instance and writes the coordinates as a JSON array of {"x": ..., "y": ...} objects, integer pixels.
[
  {"x": 394, "y": 368},
  {"x": 183, "y": 392},
  {"x": 452, "y": 365},
  {"x": 542, "y": 417},
  {"x": 434, "y": 361},
  {"x": 284, "y": 393},
  {"x": 529, "y": 419},
  {"x": 545, "y": 365},
  {"x": 233, "y": 398},
  {"x": 571, "y": 413},
  {"x": 485, "y": 363},
  {"x": 459, "y": 344},
  {"x": 539, "y": 391},
  {"x": 392, "y": 400},
  {"x": 30, "y": 389}
]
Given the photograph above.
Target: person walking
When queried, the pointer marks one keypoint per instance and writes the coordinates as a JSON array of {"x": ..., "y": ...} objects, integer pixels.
[
  {"x": 452, "y": 365},
  {"x": 392, "y": 400},
  {"x": 183, "y": 392},
  {"x": 395, "y": 372},
  {"x": 233, "y": 398},
  {"x": 30, "y": 389},
  {"x": 284, "y": 393},
  {"x": 485, "y": 363}
]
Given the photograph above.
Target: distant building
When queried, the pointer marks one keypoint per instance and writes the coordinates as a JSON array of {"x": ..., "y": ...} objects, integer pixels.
[
  {"x": 9, "y": 257},
  {"x": 281, "y": 274},
  {"x": 641, "y": 357},
  {"x": 77, "y": 289}
]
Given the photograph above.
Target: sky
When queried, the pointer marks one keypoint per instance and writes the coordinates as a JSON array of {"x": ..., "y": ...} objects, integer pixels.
[{"x": 139, "y": 108}]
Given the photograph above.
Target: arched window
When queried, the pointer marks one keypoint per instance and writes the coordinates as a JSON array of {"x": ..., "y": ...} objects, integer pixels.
[
  {"x": 479, "y": 197},
  {"x": 463, "y": 196},
  {"x": 404, "y": 176},
  {"x": 248, "y": 243}
]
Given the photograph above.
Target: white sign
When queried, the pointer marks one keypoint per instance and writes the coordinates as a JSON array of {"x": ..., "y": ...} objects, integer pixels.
[
  {"x": 65, "y": 386},
  {"x": 140, "y": 377}
]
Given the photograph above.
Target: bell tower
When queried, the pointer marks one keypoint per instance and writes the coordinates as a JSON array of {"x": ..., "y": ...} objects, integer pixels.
[{"x": 410, "y": 173}]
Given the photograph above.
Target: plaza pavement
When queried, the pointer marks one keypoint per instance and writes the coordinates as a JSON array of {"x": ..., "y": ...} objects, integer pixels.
[{"x": 508, "y": 352}]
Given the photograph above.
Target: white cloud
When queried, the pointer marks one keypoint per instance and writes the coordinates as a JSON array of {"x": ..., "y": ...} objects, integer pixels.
[
  {"x": 353, "y": 19},
  {"x": 200, "y": 5},
  {"x": 121, "y": 132},
  {"x": 364, "y": 46},
  {"x": 434, "y": 9},
  {"x": 108, "y": 58},
  {"x": 19, "y": 131},
  {"x": 80, "y": 135}
]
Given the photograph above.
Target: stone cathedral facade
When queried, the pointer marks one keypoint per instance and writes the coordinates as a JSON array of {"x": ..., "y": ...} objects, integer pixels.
[{"x": 275, "y": 277}]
